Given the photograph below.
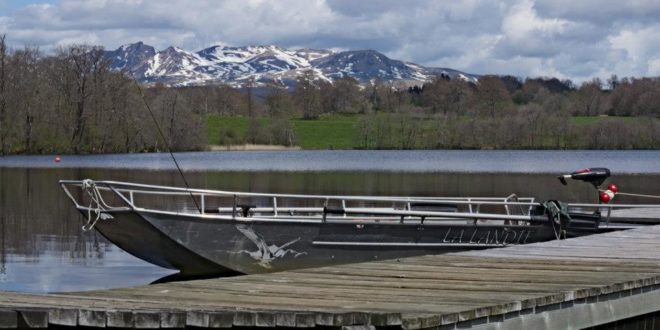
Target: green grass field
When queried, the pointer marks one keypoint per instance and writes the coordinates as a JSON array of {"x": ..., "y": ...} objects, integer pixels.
[
  {"x": 333, "y": 132},
  {"x": 337, "y": 132},
  {"x": 327, "y": 132},
  {"x": 215, "y": 123}
]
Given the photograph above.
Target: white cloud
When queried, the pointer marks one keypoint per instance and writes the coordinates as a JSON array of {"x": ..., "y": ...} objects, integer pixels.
[
  {"x": 564, "y": 38},
  {"x": 654, "y": 67},
  {"x": 601, "y": 11},
  {"x": 639, "y": 49},
  {"x": 529, "y": 34}
]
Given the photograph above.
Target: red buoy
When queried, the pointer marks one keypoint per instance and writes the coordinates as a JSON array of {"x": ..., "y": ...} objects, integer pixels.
[
  {"x": 606, "y": 196},
  {"x": 57, "y": 159},
  {"x": 612, "y": 187}
]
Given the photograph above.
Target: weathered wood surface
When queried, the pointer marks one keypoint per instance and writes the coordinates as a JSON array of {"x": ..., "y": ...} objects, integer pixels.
[{"x": 417, "y": 292}]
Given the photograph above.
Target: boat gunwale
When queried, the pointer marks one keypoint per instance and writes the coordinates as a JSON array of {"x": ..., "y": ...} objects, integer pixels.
[
  {"x": 313, "y": 219},
  {"x": 177, "y": 191},
  {"x": 225, "y": 193},
  {"x": 318, "y": 215}
]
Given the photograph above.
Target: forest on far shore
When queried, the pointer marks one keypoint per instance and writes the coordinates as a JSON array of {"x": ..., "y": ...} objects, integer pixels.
[{"x": 72, "y": 102}]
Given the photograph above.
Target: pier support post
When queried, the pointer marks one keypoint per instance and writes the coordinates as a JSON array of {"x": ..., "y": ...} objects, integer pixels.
[
  {"x": 33, "y": 318},
  {"x": 8, "y": 319},
  {"x": 63, "y": 317}
]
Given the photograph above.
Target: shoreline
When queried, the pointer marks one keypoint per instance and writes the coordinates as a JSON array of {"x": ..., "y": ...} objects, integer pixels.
[{"x": 250, "y": 147}]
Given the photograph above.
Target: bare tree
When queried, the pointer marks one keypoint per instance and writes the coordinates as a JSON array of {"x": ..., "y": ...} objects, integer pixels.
[
  {"x": 307, "y": 96},
  {"x": 24, "y": 92},
  {"x": 437, "y": 95},
  {"x": 279, "y": 102},
  {"x": 81, "y": 64},
  {"x": 3, "y": 95},
  {"x": 344, "y": 96},
  {"x": 590, "y": 100},
  {"x": 493, "y": 95}
]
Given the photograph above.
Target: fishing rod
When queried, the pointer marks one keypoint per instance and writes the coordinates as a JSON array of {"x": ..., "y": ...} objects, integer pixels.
[{"x": 169, "y": 149}]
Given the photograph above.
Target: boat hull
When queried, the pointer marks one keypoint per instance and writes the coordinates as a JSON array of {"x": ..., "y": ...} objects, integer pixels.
[
  {"x": 203, "y": 246},
  {"x": 129, "y": 231}
]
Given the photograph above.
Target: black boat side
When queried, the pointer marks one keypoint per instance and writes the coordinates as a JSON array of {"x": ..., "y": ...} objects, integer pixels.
[
  {"x": 130, "y": 232},
  {"x": 202, "y": 246}
]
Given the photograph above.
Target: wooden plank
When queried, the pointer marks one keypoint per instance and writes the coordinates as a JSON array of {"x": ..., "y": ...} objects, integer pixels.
[
  {"x": 252, "y": 300},
  {"x": 468, "y": 262},
  {"x": 439, "y": 279},
  {"x": 490, "y": 283},
  {"x": 404, "y": 293}
]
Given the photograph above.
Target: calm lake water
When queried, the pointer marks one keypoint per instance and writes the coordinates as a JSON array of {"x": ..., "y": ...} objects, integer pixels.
[
  {"x": 495, "y": 161},
  {"x": 43, "y": 249}
]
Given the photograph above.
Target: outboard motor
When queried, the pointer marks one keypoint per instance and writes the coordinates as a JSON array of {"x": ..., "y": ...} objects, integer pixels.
[
  {"x": 581, "y": 223},
  {"x": 596, "y": 176}
]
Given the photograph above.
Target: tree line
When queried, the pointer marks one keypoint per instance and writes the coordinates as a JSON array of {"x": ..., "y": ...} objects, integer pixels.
[
  {"x": 73, "y": 102},
  {"x": 498, "y": 112},
  {"x": 501, "y": 112}
]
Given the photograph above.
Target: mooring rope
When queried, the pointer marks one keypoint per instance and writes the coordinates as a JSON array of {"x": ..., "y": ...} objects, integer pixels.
[
  {"x": 638, "y": 195},
  {"x": 555, "y": 211},
  {"x": 89, "y": 186}
]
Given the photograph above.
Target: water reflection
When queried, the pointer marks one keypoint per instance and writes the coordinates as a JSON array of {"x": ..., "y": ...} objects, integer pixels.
[{"x": 43, "y": 248}]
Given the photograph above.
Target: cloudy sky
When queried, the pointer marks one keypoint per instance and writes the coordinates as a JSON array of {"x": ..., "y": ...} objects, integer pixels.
[{"x": 574, "y": 39}]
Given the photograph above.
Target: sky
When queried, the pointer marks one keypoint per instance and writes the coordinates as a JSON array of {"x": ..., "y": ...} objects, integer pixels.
[{"x": 567, "y": 39}]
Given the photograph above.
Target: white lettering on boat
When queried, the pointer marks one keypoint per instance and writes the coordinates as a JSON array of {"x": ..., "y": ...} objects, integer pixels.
[{"x": 504, "y": 236}]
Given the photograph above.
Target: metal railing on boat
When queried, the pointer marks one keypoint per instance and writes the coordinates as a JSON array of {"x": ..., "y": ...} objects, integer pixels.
[{"x": 406, "y": 208}]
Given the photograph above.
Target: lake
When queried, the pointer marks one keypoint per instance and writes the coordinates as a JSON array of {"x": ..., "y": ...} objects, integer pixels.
[
  {"x": 43, "y": 248},
  {"x": 483, "y": 161}
]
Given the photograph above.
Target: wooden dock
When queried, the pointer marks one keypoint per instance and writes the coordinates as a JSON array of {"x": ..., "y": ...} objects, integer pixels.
[{"x": 574, "y": 283}]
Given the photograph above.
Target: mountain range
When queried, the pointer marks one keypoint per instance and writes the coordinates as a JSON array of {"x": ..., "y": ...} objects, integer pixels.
[{"x": 263, "y": 65}]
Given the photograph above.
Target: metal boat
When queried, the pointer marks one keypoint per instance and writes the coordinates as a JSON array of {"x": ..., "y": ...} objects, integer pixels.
[{"x": 225, "y": 233}]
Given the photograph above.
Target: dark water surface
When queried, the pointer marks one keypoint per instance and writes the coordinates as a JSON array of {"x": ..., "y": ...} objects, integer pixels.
[{"x": 43, "y": 249}]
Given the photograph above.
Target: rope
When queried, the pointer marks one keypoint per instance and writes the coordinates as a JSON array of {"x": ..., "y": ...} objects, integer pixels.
[
  {"x": 555, "y": 211},
  {"x": 638, "y": 195},
  {"x": 94, "y": 199}
]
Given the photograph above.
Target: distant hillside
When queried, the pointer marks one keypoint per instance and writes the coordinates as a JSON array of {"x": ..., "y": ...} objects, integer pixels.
[{"x": 265, "y": 65}]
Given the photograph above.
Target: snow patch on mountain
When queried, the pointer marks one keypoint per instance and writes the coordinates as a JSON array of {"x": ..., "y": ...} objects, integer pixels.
[{"x": 265, "y": 64}]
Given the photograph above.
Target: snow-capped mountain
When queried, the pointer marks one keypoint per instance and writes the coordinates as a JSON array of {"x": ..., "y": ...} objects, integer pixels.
[
  {"x": 130, "y": 57},
  {"x": 365, "y": 65},
  {"x": 265, "y": 65}
]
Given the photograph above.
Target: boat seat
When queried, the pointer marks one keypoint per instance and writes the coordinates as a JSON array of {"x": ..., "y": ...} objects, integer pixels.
[
  {"x": 333, "y": 210},
  {"x": 245, "y": 209},
  {"x": 433, "y": 207},
  {"x": 437, "y": 207}
]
